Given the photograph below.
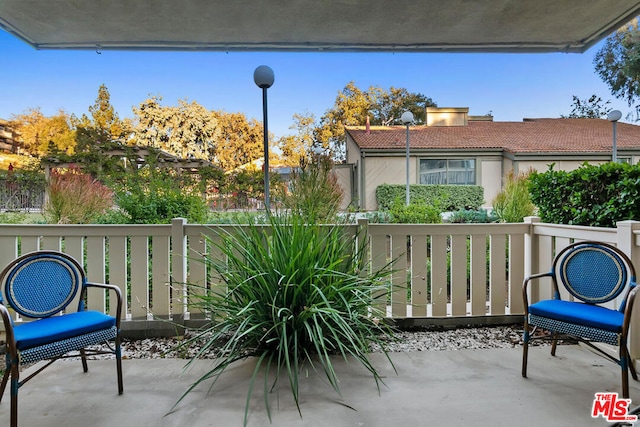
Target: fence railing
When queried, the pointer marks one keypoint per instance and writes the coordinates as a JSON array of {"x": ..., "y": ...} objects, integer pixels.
[
  {"x": 15, "y": 197},
  {"x": 442, "y": 271}
]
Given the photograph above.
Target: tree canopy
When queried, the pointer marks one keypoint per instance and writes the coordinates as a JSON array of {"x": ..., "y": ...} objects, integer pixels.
[
  {"x": 296, "y": 148},
  {"x": 102, "y": 126},
  {"x": 592, "y": 108},
  {"x": 228, "y": 140},
  {"x": 240, "y": 142},
  {"x": 39, "y": 134},
  {"x": 190, "y": 130},
  {"x": 186, "y": 130},
  {"x": 618, "y": 63},
  {"x": 353, "y": 105}
]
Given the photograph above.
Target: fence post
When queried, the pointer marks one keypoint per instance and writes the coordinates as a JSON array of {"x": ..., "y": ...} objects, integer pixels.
[
  {"x": 531, "y": 255},
  {"x": 179, "y": 267},
  {"x": 627, "y": 244}
]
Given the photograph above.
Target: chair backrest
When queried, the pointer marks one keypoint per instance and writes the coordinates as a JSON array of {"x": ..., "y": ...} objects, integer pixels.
[
  {"x": 594, "y": 272},
  {"x": 42, "y": 283}
]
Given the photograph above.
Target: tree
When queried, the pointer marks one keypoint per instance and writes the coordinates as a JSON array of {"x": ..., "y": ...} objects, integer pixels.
[
  {"x": 618, "y": 63},
  {"x": 39, "y": 133},
  {"x": 392, "y": 104},
  {"x": 187, "y": 130},
  {"x": 314, "y": 192},
  {"x": 592, "y": 108},
  {"x": 104, "y": 115},
  {"x": 297, "y": 148},
  {"x": 241, "y": 141},
  {"x": 352, "y": 107},
  {"x": 102, "y": 127}
]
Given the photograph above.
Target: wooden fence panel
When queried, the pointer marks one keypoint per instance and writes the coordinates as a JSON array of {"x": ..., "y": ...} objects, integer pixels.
[
  {"x": 516, "y": 273},
  {"x": 399, "y": 280},
  {"x": 419, "y": 276},
  {"x": 478, "y": 260},
  {"x": 139, "y": 277},
  {"x": 458, "y": 275},
  {"x": 160, "y": 274},
  {"x": 96, "y": 260},
  {"x": 439, "y": 294},
  {"x": 118, "y": 271},
  {"x": 498, "y": 275}
]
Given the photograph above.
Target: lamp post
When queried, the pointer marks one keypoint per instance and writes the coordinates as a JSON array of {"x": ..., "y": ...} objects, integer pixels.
[
  {"x": 263, "y": 77},
  {"x": 407, "y": 118},
  {"x": 317, "y": 150},
  {"x": 613, "y": 117}
]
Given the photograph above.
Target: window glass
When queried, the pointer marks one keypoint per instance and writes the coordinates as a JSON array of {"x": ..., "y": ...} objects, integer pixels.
[{"x": 448, "y": 171}]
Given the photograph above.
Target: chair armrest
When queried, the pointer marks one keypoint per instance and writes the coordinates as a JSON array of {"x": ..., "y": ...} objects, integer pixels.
[
  {"x": 118, "y": 293},
  {"x": 525, "y": 287},
  {"x": 8, "y": 328}
]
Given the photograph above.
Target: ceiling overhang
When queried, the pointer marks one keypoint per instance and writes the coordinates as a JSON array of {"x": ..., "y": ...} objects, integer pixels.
[{"x": 317, "y": 25}]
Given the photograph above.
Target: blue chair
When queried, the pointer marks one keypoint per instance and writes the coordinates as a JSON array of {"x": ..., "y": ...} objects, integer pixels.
[
  {"x": 40, "y": 286},
  {"x": 593, "y": 273}
]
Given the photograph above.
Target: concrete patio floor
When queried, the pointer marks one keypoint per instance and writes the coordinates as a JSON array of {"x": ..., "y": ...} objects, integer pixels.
[{"x": 448, "y": 388}]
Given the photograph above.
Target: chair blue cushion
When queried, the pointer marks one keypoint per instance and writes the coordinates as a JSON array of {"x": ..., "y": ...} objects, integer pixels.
[
  {"x": 55, "y": 328},
  {"x": 580, "y": 313}
]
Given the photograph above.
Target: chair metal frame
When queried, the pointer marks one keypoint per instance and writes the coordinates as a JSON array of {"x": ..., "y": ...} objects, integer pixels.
[
  {"x": 73, "y": 281},
  {"x": 560, "y": 328}
]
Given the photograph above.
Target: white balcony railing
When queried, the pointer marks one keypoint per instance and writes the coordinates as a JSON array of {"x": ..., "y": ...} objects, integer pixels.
[{"x": 472, "y": 272}]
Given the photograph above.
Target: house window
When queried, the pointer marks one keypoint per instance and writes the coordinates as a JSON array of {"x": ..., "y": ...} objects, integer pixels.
[
  {"x": 448, "y": 171},
  {"x": 624, "y": 160}
]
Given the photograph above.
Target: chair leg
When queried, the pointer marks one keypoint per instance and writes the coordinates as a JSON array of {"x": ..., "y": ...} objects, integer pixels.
[
  {"x": 632, "y": 368},
  {"x": 525, "y": 352},
  {"x": 554, "y": 342},
  {"x": 5, "y": 379},
  {"x": 83, "y": 356},
  {"x": 624, "y": 366},
  {"x": 15, "y": 384},
  {"x": 625, "y": 383},
  {"x": 119, "y": 365}
]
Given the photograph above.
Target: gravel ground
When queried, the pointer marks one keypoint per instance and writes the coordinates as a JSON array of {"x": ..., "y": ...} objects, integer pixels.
[{"x": 447, "y": 340}]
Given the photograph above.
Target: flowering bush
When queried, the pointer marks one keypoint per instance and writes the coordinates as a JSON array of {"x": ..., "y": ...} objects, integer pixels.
[{"x": 75, "y": 198}]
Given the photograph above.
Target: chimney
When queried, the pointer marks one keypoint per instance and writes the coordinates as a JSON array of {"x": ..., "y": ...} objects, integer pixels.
[
  {"x": 438, "y": 116},
  {"x": 368, "y": 126}
]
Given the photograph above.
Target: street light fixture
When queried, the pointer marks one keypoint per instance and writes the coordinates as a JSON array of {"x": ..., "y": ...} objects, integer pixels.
[
  {"x": 264, "y": 78},
  {"x": 613, "y": 117},
  {"x": 317, "y": 150},
  {"x": 407, "y": 118}
]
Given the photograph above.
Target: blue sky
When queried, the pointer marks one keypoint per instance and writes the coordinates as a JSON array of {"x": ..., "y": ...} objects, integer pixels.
[{"x": 511, "y": 86}]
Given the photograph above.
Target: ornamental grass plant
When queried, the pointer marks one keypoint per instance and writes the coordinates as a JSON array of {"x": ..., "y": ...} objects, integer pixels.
[{"x": 296, "y": 295}]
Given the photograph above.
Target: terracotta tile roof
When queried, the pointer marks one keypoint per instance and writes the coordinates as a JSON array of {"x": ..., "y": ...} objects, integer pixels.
[{"x": 528, "y": 136}]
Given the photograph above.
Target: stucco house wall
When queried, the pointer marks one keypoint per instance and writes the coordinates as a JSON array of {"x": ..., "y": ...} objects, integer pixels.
[{"x": 377, "y": 153}]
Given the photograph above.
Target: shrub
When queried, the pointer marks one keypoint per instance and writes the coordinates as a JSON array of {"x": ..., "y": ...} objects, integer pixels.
[
  {"x": 155, "y": 196},
  {"x": 297, "y": 293},
  {"x": 450, "y": 197},
  {"x": 12, "y": 217},
  {"x": 75, "y": 198},
  {"x": 314, "y": 191},
  {"x": 596, "y": 196},
  {"x": 470, "y": 216},
  {"x": 513, "y": 203},
  {"x": 415, "y": 213}
]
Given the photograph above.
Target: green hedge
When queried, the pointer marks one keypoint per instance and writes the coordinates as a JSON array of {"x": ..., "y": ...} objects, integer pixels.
[
  {"x": 449, "y": 197},
  {"x": 596, "y": 196}
]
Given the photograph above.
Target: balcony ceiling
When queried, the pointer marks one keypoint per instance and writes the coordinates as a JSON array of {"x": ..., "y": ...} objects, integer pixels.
[{"x": 317, "y": 25}]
